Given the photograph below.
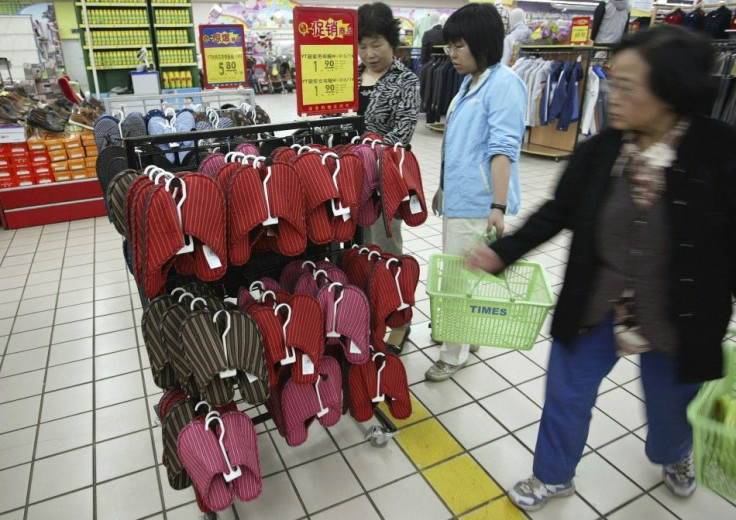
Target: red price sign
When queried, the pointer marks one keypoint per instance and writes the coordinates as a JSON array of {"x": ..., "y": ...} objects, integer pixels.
[
  {"x": 326, "y": 43},
  {"x": 580, "y": 30}
]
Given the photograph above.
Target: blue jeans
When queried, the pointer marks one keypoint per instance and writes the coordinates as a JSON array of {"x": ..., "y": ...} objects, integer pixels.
[{"x": 573, "y": 377}]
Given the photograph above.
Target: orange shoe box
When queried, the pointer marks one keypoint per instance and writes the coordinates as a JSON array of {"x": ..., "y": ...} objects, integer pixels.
[
  {"x": 54, "y": 144},
  {"x": 58, "y": 154},
  {"x": 61, "y": 166},
  {"x": 75, "y": 153},
  {"x": 91, "y": 151},
  {"x": 62, "y": 176}
]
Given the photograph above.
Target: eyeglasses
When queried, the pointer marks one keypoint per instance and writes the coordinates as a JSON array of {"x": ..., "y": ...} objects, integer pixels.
[
  {"x": 453, "y": 49},
  {"x": 619, "y": 88}
]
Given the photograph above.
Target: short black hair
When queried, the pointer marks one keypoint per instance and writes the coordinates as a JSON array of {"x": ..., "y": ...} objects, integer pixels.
[
  {"x": 680, "y": 61},
  {"x": 481, "y": 27},
  {"x": 376, "y": 20}
]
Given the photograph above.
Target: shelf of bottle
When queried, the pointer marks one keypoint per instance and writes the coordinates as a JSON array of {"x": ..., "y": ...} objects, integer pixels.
[
  {"x": 174, "y": 65},
  {"x": 116, "y": 26},
  {"x": 171, "y": 5},
  {"x": 117, "y": 47},
  {"x": 142, "y": 5},
  {"x": 174, "y": 45},
  {"x": 166, "y": 25},
  {"x": 115, "y": 67}
]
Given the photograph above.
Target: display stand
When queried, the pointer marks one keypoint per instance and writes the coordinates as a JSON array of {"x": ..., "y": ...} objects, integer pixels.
[
  {"x": 546, "y": 140},
  {"x": 138, "y": 150},
  {"x": 50, "y": 203},
  {"x": 207, "y": 98}
]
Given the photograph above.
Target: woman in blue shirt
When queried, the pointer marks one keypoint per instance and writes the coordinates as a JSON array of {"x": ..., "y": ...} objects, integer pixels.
[{"x": 479, "y": 181}]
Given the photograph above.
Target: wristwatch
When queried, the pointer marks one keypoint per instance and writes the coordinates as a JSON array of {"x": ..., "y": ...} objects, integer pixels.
[{"x": 502, "y": 207}]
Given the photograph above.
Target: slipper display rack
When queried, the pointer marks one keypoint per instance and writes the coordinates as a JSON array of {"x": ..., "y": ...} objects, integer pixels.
[
  {"x": 207, "y": 98},
  {"x": 204, "y": 318}
]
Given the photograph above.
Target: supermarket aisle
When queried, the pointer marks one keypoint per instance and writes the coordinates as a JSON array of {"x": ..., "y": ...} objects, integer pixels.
[{"x": 78, "y": 437}]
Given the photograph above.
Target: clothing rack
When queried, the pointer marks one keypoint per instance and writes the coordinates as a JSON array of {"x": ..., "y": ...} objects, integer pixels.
[{"x": 546, "y": 140}]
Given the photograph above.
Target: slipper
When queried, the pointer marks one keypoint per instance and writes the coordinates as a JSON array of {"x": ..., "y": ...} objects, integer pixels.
[
  {"x": 134, "y": 125},
  {"x": 302, "y": 402},
  {"x": 201, "y": 455},
  {"x": 262, "y": 286},
  {"x": 107, "y": 132},
  {"x": 171, "y": 321},
  {"x": 158, "y": 125},
  {"x": 117, "y": 191},
  {"x": 286, "y": 202},
  {"x": 241, "y": 444},
  {"x": 212, "y": 164},
  {"x": 249, "y": 358},
  {"x": 347, "y": 320},
  {"x": 392, "y": 187},
  {"x": 414, "y": 210},
  {"x": 204, "y": 218},
  {"x": 111, "y": 161},
  {"x": 383, "y": 379},
  {"x": 246, "y": 212},
  {"x": 163, "y": 374},
  {"x": 173, "y": 422},
  {"x": 202, "y": 344},
  {"x": 348, "y": 175},
  {"x": 320, "y": 193},
  {"x": 248, "y": 149}
]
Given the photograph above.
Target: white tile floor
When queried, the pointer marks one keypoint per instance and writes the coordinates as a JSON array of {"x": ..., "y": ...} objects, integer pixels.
[{"x": 78, "y": 439}]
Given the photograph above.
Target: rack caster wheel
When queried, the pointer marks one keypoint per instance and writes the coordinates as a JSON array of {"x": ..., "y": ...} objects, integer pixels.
[
  {"x": 208, "y": 516},
  {"x": 380, "y": 436}
]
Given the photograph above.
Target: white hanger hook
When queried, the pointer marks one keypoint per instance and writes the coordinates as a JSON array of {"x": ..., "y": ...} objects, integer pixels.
[{"x": 195, "y": 300}]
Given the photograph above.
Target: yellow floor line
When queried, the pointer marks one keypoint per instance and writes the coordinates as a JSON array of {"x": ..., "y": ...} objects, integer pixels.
[
  {"x": 427, "y": 443},
  {"x": 418, "y": 413},
  {"x": 462, "y": 484},
  {"x": 455, "y": 476}
]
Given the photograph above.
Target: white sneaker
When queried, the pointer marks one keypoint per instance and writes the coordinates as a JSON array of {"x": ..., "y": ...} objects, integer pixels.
[
  {"x": 441, "y": 371},
  {"x": 531, "y": 494},
  {"x": 680, "y": 476}
]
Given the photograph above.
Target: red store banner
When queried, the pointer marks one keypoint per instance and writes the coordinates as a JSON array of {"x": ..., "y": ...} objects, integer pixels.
[{"x": 326, "y": 47}]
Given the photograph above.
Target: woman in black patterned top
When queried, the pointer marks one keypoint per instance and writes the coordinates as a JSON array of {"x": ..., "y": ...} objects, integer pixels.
[{"x": 388, "y": 94}]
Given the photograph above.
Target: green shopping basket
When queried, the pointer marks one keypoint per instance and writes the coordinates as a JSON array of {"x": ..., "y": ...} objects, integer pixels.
[
  {"x": 482, "y": 309},
  {"x": 715, "y": 442}
]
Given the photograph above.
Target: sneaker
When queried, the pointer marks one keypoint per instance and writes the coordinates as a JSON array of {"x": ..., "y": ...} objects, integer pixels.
[
  {"x": 531, "y": 494},
  {"x": 680, "y": 476},
  {"x": 442, "y": 371}
]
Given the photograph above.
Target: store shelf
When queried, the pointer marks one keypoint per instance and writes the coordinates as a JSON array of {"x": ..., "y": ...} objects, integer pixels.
[
  {"x": 110, "y": 4},
  {"x": 117, "y": 47},
  {"x": 167, "y": 25},
  {"x": 174, "y": 45},
  {"x": 131, "y": 26},
  {"x": 171, "y": 5},
  {"x": 118, "y": 67},
  {"x": 174, "y": 65}
]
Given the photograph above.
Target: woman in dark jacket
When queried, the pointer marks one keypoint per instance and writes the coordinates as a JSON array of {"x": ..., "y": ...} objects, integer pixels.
[{"x": 651, "y": 203}]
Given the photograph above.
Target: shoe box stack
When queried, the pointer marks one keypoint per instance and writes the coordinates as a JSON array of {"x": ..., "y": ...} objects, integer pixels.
[{"x": 45, "y": 159}]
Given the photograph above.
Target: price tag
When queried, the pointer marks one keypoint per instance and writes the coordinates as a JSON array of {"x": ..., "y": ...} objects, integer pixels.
[
  {"x": 212, "y": 259},
  {"x": 223, "y": 55},
  {"x": 307, "y": 365},
  {"x": 354, "y": 349},
  {"x": 251, "y": 377},
  {"x": 326, "y": 43},
  {"x": 414, "y": 205}
]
